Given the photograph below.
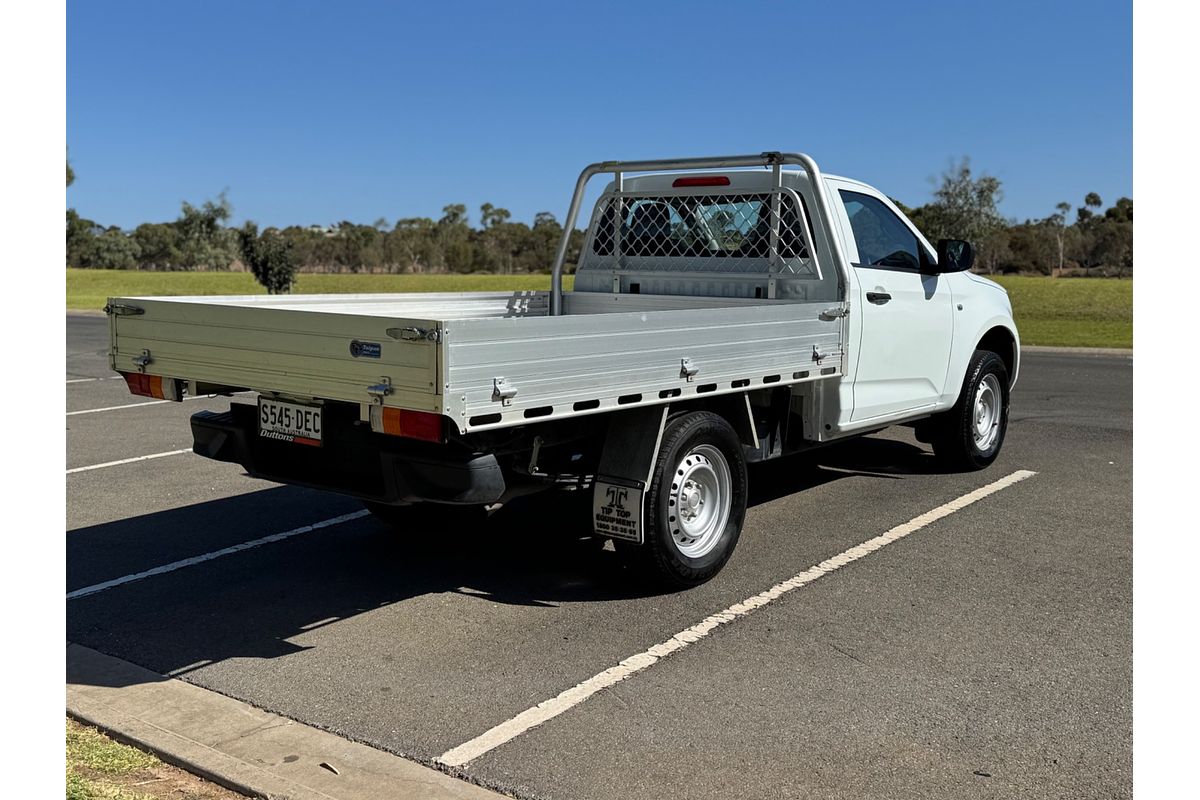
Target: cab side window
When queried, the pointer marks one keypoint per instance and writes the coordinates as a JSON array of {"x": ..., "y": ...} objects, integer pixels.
[{"x": 883, "y": 240}]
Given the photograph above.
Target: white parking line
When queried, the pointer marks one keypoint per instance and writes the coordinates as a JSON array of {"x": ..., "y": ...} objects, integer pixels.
[
  {"x": 118, "y": 408},
  {"x": 146, "y": 403},
  {"x": 127, "y": 461},
  {"x": 89, "y": 380},
  {"x": 547, "y": 710},
  {"x": 237, "y": 548}
]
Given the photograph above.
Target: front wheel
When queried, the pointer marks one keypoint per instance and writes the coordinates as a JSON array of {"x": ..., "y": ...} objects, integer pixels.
[
  {"x": 969, "y": 436},
  {"x": 696, "y": 502}
]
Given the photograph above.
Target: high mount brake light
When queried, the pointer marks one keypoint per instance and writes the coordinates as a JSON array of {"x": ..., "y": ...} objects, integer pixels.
[{"x": 701, "y": 180}]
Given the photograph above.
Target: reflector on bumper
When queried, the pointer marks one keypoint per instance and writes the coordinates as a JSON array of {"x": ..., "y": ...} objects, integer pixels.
[
  {"x": 402, "y": 422},
  {"x": 154, "y": 386}
]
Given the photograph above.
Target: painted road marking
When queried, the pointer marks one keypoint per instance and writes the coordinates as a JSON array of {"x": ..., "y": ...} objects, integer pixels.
[
  {"x": 128, "y": 461},
  {"x": 118, "y": 408},
  {"x": 147, "y": 403},
  {"x": 226, "y": 551},
  {"x": 89, "y": 380},
  {"x": 547, "y": 710}
]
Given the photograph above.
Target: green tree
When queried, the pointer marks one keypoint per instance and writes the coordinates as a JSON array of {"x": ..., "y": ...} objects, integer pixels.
[
  {"x": 158, "y": 243},
  {"x": 1086, "y": 212},
  {"x": 1122, "y": 211},
  {"x": 81, "y": 239},
  {"x": 490, "y": 216},
  {"x": 542, "y": 244},
  {"x": 454, "y": 215},
  {"x": 269, "y": 257},
  {"x": 1057, "y": 221},
  {"x": 70, "y": 173},
  {"x": 995, "y": 249},
  {"x": 204, "y": 242},
  {"x": 114, "y": 250},
  {"x": 965, "y": 207},
  {"x": 1031, "y": 248},
  {"x": 454, "y": 239},
  {"x": 1106, "y": 241},
  {"x": 412, "y": 245},
  {"x": 968, "y": 206}
]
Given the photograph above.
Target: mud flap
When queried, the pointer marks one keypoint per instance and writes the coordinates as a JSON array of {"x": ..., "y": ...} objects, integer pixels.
[{"x": 626, "y": 464}]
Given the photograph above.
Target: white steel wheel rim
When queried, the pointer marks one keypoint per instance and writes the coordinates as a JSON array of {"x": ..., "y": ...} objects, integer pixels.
[
  {"x": 985, "y": 419},
  {"x": 700, "y": 500}
]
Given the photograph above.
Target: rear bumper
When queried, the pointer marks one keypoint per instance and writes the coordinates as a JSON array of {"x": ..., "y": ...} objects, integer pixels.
[{"x": 352, "y": 461}]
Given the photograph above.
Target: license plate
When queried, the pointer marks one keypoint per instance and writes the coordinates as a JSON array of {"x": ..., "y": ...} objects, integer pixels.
[{"x": 289, "y": 422}]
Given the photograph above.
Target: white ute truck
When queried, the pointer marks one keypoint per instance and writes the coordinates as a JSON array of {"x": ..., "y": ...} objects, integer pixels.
[{"x": 725, "y": 310}]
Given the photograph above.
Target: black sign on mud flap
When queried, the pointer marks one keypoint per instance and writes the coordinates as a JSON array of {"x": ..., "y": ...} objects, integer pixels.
[{"x": 617, "y": 509}]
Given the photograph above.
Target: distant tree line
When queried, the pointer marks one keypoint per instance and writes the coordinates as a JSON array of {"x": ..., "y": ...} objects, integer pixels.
[
  {"x": 199, "y": 240},
  {"x": 1098, "y": 241}
]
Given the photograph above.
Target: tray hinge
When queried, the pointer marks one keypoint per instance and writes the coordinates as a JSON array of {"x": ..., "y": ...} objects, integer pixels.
[
  {"x": 121, "y": 310},
  {"x": 688, "y": 368},
  {"x": 835, "y": 313}
]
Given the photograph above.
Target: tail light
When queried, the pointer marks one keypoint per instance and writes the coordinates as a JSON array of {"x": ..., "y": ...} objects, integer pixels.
[
  {"x": 154, "y": 386},
  {"x": 402, "y": 422}
]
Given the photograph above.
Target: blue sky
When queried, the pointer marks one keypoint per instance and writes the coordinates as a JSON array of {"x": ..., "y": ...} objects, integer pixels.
[{"x": 309, "y": 112}]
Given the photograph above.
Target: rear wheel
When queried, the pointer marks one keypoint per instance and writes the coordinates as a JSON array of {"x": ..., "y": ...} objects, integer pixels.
[
  {"x": 696, "y": 502},
  {"x": 969, "y": 436}
]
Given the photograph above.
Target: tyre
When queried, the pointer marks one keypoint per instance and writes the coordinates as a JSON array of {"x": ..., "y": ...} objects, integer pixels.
[
  {"x": 969, "y": 436},
  {"x": 423, "y": 516},
  {"x": 696, "y": 502}
]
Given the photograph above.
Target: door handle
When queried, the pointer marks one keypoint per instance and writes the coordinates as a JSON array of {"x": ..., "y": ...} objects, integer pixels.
[{"x": 878, "y": 298}]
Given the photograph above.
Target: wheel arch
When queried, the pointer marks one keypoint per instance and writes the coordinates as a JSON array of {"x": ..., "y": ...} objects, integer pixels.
[
  {"x": 1003, "y": 342},
  {"x": 733, "y": 408},
  {"x": 997, "y": 334}
]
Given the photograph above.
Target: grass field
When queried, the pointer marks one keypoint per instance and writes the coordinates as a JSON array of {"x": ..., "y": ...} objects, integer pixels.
[
  {"x": 1070, "y": 312},
  {"x": 100, "y": 769}
]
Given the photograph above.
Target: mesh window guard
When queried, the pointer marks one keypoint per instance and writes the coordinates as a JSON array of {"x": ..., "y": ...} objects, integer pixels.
[{"x": 705, "y": 232}]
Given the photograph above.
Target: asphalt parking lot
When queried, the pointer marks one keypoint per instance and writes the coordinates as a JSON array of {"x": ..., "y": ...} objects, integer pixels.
[{"x": 987, "y": 654}]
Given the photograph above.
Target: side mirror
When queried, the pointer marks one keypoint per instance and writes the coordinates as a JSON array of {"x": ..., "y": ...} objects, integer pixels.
[{"x": 954, "y": 255}]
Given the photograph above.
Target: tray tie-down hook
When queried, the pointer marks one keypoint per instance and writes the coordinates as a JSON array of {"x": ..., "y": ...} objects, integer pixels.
[
  {"x": 503, "y": 391},
  {"x": 143, "y": 361},
  {"x": 380, "y": 390}
]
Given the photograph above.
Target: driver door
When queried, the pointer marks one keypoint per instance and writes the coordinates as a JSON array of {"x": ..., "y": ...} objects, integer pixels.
[{"x": 907, "y": 317}]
